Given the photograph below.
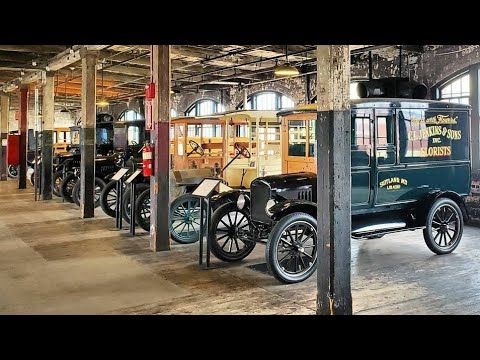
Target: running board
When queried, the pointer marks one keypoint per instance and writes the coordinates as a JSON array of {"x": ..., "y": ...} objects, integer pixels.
[
  {"x": 383, "y": 226},
  {"x": 378, "y": 234}
]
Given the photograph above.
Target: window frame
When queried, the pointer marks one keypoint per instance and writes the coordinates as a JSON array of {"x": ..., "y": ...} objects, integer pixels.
[
  {"x": 196, "y": 106},
  {"x": 252, "y": 99}
]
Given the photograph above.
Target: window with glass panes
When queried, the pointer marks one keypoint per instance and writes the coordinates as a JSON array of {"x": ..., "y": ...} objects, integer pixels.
[
  {"x": 204, "y": 107},
  {"x": 456, "y": 90},
  {"x": 267, "y": 100},
  {"x": 130, "y": 115}
]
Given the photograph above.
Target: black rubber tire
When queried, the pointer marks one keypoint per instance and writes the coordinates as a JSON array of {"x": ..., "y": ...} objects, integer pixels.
[
  {"x": 76, "y": 191},
  {"x": 57, "y": 183},
  {"x": 216, "y": 235},
  {"x": 108, "y": 193},
  {"x": 67, "y": 186},
  {"x": 143, "y": 217},
  {"x": 430, "y": 231},
  {"x": 12, "y": 171},
  {"x": 271, "y": 255},
  {"x": 126, "y": 199}
]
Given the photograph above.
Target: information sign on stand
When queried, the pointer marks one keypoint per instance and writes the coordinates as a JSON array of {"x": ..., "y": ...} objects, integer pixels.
[
  {"x": 133, "y": 176},
  {"x": 119, "y": 174},
  {"x": 204, "y": 191}
]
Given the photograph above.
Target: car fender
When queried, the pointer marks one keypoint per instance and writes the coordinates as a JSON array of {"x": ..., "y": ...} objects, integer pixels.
[
  {"x": 226, "y": 197},
  {"x": 427, "y": 202},
  {"x": 286, "y": 207}
]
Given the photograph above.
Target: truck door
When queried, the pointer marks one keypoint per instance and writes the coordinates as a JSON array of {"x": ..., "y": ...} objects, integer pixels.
[
  {"x": 362, "y": 153},
  {"x": 387, "y": 182}
]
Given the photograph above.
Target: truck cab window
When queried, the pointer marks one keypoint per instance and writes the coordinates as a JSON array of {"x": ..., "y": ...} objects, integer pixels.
[
  {"x": 297, "y": 138},
  {"x": 385, "y": 130},
  {"x": 360, "y": 131}
]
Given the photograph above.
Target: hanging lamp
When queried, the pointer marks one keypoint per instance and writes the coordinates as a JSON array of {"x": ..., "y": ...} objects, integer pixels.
[
  {"x": 286, "y": 69},
  {"x": 65, "y": 109},
  {"x": 103, "y": 101}
]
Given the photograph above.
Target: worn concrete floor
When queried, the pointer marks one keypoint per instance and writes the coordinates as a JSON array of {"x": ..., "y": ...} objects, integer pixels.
[{"x": 53, "y": 262}]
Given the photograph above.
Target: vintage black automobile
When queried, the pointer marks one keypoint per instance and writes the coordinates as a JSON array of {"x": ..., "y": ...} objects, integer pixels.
[
  {"x": 410, "y": 170},
  {"x": 129, "y": 138}
]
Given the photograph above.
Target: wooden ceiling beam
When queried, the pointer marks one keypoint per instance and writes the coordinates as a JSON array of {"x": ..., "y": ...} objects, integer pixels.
[
  {"x": 127, "y": 70},
  {"x": 18, "y": 57},
  {"x": 39, "y": 49}
]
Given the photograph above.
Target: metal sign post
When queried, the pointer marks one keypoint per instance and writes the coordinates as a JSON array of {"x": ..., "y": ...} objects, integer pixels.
[
  {"x": 131, "y": 181},
  {"x": 204, "y": 191},
  {"x": 118, "y": 177}
]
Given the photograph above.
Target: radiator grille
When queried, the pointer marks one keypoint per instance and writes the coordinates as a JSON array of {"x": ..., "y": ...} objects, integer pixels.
[{"x": 260, "y": 194}]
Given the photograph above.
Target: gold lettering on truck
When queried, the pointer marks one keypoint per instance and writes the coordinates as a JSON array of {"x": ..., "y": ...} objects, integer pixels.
[
  {"x": 393, "y": 183},
  {"x": 434, "y": 131},
  {"x": 436, "y": 120}
]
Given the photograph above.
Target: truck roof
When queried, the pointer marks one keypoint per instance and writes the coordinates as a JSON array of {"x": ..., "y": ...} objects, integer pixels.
[{"x": 393, "y": 103}]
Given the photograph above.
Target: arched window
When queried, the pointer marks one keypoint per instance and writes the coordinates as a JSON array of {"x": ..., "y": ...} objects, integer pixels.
[
  {"x": 204, "y": 107},
  {"x": 456, "y": 90},
  {"x": 130, "y": 115},
  {"x": 267, "y": 100},
  {"x": 133, "y": 131}
]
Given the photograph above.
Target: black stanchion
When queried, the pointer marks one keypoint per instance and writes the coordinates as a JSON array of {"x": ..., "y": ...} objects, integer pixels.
[
  {"x": 203, "y": 192},
  {"x": 133, "y": 189},
  {"x": 118, "y": 204},
  {"x": 200, "y": 247},
  {"x": 118, "y": 177},
  {"x": 131, "y": 181},
  {"x": 34, "y": 178},
  {"x": 207, "y": 227}
]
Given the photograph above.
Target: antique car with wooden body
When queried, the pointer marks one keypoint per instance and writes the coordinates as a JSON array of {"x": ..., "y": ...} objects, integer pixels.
[
  {"x": 237, "y": 146},
  {"x": 410, "y": 169}
]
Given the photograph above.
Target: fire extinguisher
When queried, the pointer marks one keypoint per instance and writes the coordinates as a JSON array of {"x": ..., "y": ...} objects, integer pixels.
[{"x": 147, "y": 155}]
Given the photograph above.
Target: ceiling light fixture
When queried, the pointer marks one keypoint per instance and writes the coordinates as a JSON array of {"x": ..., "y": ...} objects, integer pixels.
[
  {"x": 65, "y": 110},
  {"x": 286, "y": 69},
  {"x": 103, "y": 101}
]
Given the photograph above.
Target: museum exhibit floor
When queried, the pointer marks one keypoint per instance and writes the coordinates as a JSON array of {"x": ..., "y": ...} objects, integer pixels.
[{"x": 53, "y": 262}]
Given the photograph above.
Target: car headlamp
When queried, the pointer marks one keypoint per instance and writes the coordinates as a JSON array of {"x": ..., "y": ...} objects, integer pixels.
[
  {"x": 241, "y": 201},
  {"x": 269, "y": 205}
]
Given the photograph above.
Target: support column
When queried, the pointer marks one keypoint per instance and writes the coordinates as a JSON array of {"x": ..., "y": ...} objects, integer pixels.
[
  {"x": 22, "y": 168},
  {"x": 160, "y": 137},
  {"x": 4, "y": 106},
  {"x": 333, "y": 129},
  {"x": 87, "y": 133},
  {"x": 475, "y": 118},
  {"x": 48, "y": 105}
]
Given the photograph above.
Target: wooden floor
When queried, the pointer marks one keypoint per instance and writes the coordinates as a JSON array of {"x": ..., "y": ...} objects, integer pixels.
[{"x": 53, "y": 262}]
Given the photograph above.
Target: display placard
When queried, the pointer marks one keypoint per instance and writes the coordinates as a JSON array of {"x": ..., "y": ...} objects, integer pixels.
[
  {"x": 206, "y": 187},
  {"x": 120, "y": 173},
  {"x": 133, "y": 176}
]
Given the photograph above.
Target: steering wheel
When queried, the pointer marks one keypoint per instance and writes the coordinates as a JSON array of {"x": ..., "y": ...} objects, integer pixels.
[
  {"x": 196, "y": 148},
  {"x": 133, "y": 142},
  {"x": 242, "y": 150}
]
